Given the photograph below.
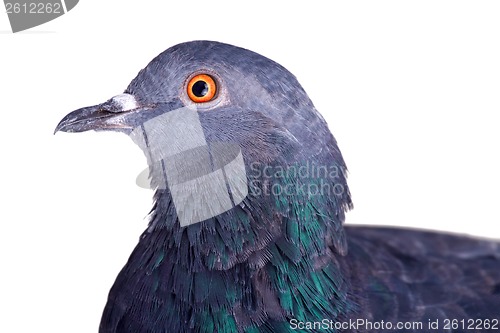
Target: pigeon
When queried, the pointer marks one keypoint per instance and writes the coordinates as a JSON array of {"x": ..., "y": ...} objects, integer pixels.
[{"x": 247, "y": 232}]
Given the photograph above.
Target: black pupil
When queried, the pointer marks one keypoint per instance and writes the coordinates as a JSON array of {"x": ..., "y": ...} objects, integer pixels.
[{"x": 200, "y": 88}]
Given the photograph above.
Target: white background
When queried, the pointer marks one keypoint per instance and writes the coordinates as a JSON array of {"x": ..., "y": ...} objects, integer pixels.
[{"x": 409, "y": 89}]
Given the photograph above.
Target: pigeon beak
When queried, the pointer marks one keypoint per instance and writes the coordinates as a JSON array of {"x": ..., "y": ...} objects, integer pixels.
[{"x": 111, "y": 115}]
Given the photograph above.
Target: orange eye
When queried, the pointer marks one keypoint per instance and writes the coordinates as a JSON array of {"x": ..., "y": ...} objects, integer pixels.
[{"x": 201, "y": 88}]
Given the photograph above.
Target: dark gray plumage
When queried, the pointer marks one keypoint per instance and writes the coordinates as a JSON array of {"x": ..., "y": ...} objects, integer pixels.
[{"x": 279, "y": 258}]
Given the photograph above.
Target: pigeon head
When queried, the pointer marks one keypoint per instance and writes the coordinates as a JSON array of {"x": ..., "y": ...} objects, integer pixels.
[
  {"x": 232, "y": 141},
  {"x": 239, "y": 96}
]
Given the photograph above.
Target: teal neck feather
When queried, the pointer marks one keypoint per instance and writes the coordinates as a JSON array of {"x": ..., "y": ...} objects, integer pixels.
[{"x": 252, "y": 269}]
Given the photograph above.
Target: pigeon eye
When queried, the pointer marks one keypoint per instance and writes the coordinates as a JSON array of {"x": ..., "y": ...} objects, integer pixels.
[{"x": 201, "y": 88}]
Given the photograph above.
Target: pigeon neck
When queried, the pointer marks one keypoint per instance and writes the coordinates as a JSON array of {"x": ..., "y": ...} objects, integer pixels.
[
  {"x": 275, "y": 255},
  {"x": 302, "y": 202},
  {"x": 258, "y": 260}
]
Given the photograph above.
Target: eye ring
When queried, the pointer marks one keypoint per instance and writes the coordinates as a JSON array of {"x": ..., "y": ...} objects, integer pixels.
[{"x": 201, "y": 88}]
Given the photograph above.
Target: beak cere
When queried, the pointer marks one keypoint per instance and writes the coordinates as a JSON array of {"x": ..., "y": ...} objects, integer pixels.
[
  {"x": 106, "y": 116},
  {"x": 124, "y": 102}
]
